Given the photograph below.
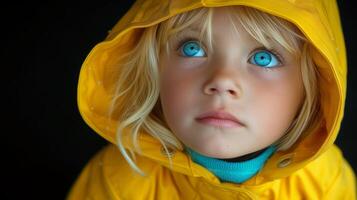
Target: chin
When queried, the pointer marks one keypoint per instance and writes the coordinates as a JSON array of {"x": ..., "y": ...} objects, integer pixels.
[{"x": 218, "y": 152}]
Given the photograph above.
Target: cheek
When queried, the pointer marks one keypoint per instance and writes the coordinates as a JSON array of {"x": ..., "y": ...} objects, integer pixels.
[
  {"x": 176, "y": 98},
  {"x": 179, "y": 86},
  {"x": 275, "y": 103}
]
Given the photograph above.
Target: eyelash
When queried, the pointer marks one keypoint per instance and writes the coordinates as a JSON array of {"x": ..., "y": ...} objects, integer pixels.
[{"x": 185, "y": 39}]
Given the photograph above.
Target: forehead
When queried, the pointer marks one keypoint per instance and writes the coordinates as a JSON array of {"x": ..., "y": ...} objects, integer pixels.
[{"x": 223, "y": 20}]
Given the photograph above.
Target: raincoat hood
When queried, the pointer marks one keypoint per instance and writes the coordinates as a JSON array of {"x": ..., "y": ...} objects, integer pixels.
[{"x": 318, "y": 20}]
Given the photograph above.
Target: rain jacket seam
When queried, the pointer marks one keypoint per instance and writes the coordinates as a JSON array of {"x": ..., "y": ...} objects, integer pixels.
[{"x": 334, "y": 180}]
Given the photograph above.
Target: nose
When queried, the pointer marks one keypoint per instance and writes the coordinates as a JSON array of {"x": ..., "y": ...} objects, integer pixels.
[{"x": 223, "y": 83}]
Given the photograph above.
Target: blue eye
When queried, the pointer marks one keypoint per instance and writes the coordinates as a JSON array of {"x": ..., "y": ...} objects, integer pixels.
[
  {"x": 192, "y": 48},
  {"x": 264, "y": 59}
]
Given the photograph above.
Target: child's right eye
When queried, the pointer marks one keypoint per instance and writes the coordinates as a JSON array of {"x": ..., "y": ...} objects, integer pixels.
[{"x": 192, "y": 49}]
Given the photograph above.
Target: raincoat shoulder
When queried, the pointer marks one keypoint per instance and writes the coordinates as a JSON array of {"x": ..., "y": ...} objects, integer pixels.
[{"x": 108, "y": 176}]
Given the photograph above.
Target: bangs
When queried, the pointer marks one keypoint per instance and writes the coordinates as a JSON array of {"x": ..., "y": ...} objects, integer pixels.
[
  {"x": 268, "y": 29},
  {"x": 263, "y": 27}
]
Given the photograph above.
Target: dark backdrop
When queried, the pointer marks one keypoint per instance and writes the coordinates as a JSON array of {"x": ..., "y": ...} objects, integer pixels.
[{"x": 47, "y": 143}]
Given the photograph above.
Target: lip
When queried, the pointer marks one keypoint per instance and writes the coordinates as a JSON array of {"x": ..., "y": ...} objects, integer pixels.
[{"x": 219, "y": 118}]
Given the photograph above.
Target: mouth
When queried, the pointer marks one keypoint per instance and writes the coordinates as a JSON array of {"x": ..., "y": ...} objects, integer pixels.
[{"x": 219, "y": 119}]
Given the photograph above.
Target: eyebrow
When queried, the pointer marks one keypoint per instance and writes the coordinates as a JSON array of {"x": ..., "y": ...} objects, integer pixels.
[{"x": 194, "y": 29}]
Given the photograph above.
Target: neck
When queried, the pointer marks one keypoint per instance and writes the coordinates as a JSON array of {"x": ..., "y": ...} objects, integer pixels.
[
  {"x": 245, "y": 157},
  {"x": 234, "y": 171}
]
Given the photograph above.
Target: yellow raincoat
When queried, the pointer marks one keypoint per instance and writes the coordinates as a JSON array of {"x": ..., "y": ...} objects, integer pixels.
[{"x": 312, "y": 169}]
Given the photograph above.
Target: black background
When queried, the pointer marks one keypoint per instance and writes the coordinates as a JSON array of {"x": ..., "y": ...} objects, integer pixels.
[{"x": 47, "y": 143}]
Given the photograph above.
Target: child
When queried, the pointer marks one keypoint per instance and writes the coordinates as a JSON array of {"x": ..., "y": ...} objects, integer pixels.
[{"x": 212, "y": 99}]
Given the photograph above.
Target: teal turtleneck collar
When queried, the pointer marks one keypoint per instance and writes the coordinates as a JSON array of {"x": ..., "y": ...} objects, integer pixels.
[{"x": 236, "y": 172}]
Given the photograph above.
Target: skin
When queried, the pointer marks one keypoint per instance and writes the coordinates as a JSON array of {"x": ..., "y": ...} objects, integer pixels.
[{"x": 265, "y": 101}]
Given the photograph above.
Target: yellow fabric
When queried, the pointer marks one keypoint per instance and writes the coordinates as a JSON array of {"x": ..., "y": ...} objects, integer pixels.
[{"x": 314, "y": 168}]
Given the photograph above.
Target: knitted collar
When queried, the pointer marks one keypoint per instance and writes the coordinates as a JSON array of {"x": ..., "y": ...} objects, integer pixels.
[{"x": 236, "y": 172}]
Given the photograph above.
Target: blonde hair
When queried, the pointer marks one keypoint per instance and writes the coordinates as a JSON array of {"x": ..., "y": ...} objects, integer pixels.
[{"x": 142, "y": 108}]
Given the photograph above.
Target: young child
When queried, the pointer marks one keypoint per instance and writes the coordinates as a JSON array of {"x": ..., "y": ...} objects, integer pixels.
[{"x": 213, "y": 99}]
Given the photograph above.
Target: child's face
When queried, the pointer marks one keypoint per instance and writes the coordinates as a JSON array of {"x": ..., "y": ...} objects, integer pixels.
[{"x": 229, "y": 79}]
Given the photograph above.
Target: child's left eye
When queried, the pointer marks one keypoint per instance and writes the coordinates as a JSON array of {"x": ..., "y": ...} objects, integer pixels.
[{"x": 264, "y": 59}]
